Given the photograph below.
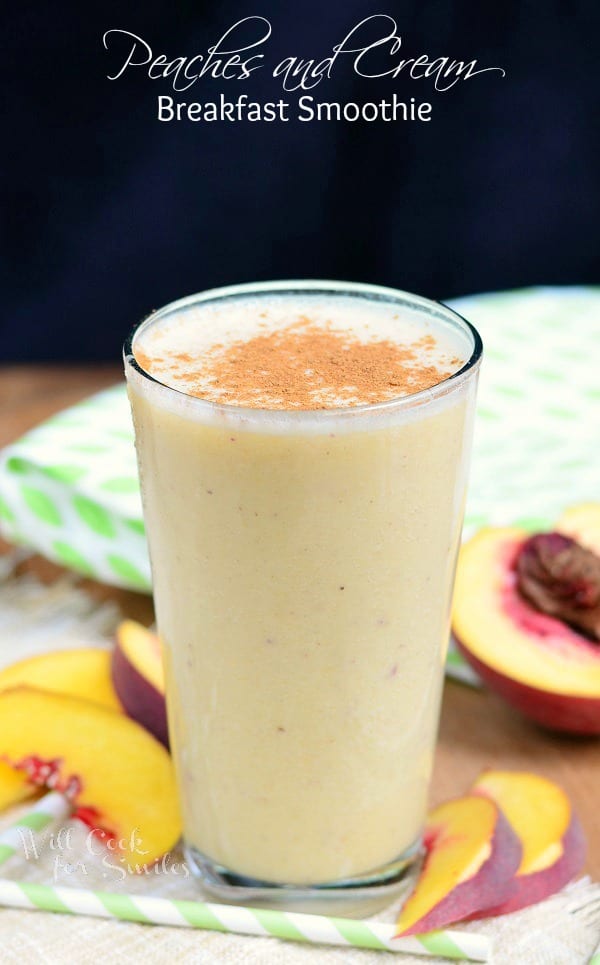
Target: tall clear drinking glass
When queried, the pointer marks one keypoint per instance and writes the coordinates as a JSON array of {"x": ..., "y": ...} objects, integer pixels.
[{"x": 303, "y": 563}]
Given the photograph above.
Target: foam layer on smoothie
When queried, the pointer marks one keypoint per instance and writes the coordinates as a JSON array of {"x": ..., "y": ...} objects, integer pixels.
[{"x": 299, "y": 351}]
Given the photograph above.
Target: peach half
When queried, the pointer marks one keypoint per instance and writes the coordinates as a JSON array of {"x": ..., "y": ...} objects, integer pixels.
[
  {"x": 137, "y": 674},
  {"x": 472, "y": 855},
  {"x": 83, "y": 672},
  {"x": 540, "y": 814},
  {"x": 120, "y": 779},
  {"x": 538, "y": 663}
]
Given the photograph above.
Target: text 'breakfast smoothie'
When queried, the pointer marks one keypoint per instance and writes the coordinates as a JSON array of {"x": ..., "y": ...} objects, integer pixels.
[{"x": 303, "y": 493}]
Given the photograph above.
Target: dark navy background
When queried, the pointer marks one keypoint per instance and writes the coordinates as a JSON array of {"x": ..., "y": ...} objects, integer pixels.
[{"x": 107, "y": 213}]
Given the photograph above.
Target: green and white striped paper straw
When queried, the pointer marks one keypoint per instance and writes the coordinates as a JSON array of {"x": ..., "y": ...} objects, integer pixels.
[
  {"x": 314, "y": 929},
  {"x": 293, "y": 926},
  {"x": 52, "y": 807}
]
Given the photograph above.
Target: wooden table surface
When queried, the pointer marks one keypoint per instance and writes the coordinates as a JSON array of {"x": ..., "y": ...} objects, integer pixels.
[{"x": 477, "y": 729}]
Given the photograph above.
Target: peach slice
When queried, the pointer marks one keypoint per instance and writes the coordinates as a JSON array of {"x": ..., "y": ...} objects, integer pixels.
[
  {"x": 120, "y": 778},
  {"x": 540, "y": 814},
  {"x": 472, "y": 855},
  {"x": 81, "y": 673},
  {"x": 536, "y": 662},
  {"x": 582, "y": 522},
  {"x": 137, "y": 674}
]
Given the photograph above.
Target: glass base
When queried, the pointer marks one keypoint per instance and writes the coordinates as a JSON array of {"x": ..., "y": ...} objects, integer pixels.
[{"x": 353, "y": 897}]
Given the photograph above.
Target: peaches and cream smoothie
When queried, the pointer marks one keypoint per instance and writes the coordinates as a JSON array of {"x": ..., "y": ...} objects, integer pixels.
[{"x": 303, "y": 451}]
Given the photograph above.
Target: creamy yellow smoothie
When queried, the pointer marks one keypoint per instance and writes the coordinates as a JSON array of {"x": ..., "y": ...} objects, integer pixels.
[{"x": 303, "y": 453}]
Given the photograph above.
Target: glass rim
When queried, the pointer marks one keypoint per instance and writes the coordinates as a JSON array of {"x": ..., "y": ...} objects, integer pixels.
[{"x": 300, "y": 286}]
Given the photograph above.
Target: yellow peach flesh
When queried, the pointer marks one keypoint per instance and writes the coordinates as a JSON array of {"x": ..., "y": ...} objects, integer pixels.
[
  {"x": 14, "y": 786},
  {"x": 83, "y": 673}
]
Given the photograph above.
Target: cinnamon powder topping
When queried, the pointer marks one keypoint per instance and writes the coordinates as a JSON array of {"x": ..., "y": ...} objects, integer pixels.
[{"x": 305, "y": 366}]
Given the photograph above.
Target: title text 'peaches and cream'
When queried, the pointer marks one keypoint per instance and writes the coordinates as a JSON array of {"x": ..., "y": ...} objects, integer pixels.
[{"x": 373, "y": 49}]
